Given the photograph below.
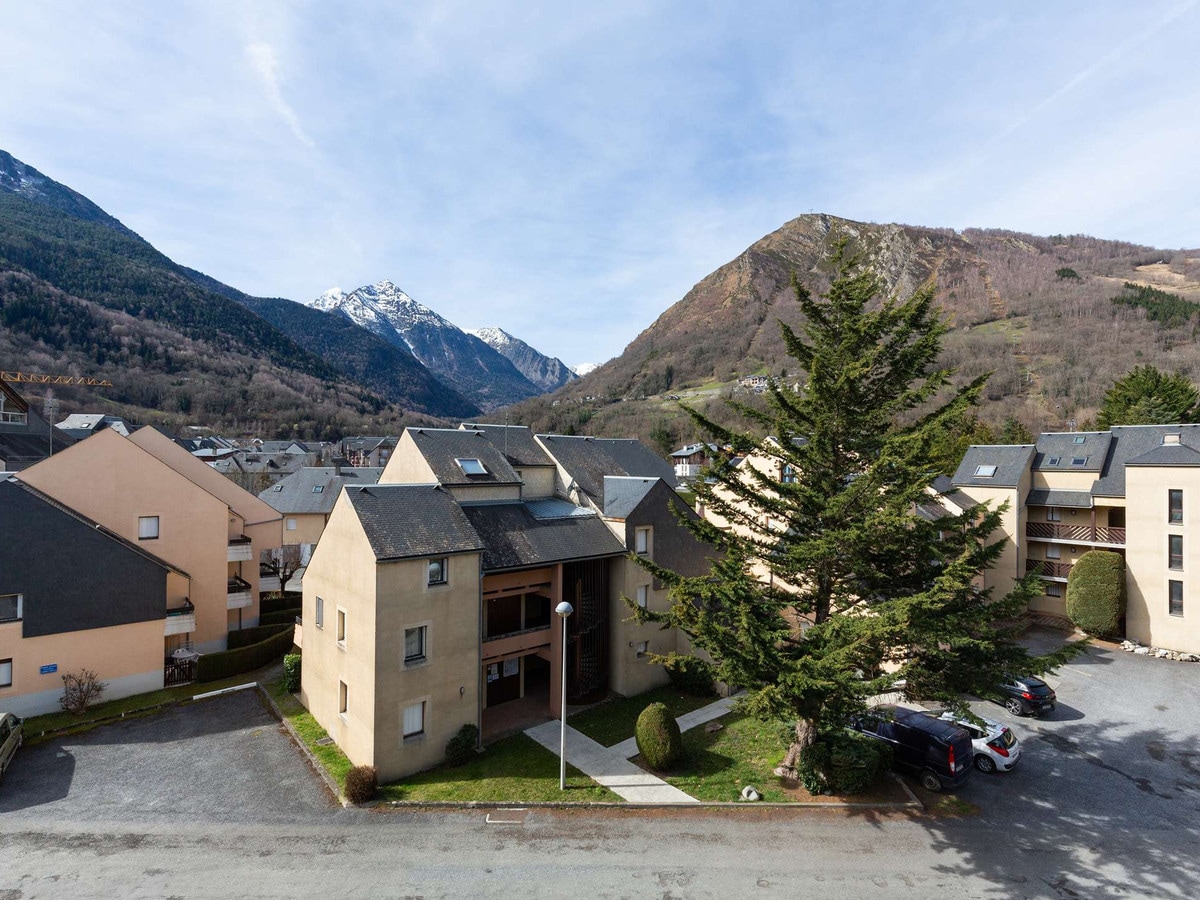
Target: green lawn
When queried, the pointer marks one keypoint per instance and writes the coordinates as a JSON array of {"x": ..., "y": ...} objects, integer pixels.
[
  {"x": 514, "y": 770},
  {"x": 330, "y": 755},
  {"x": 614, "y": 721},
  {"x": 717, "y": 766}
]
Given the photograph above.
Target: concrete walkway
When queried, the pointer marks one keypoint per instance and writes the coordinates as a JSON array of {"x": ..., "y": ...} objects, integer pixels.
[
  {"x": 628, "y": 748},
  {"x": 606, "y": 767}
]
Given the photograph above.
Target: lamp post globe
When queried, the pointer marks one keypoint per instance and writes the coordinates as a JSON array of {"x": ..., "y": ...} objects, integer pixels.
[{"x": 563, "y": 609}]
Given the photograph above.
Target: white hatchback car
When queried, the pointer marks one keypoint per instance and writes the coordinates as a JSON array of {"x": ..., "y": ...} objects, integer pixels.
[{"x": 995, "y": 745}]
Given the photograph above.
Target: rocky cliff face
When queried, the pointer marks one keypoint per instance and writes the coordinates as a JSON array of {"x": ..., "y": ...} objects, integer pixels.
[{"x": 549, "y": 374}]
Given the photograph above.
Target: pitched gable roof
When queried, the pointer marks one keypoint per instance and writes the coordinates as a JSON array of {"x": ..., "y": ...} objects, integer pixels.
[
  {"x": 298, "y": 493},
  {"x": 623, "y": 494},
  {"x": 403, "y": 521},
  {"x": 514, "y": 538},
  {"x": 441, "y": 448},
  {"x": 516, "y": 442},
  {"x": 994, "y": 465},
  {"x": 588, "y": 460}
]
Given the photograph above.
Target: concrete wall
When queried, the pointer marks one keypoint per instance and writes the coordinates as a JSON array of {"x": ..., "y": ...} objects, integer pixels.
[
  {"x": 128, "y": 658},
  {"x": 407, "y": 465},
  {"x": 1148, "y": 619},
  {"x": 1010, "y": 566},
  {"x": 309, "y": 527},
  {"x": 539, "y": 482}
]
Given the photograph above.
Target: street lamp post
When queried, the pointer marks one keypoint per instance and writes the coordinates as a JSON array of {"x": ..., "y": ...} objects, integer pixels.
[{"x": 563, "y": 609}]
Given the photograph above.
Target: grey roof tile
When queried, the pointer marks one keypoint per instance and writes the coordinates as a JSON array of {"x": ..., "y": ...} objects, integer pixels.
[
  {"x": 442, "y": 447},
  {"x": 410, "y": 520},
  {"x": 623, "y": 493},
  {"x": 588, "y": 460},
  {"x": 297, "y": 495},
  {"x": 514, "y": 538},
  {"x": 1061, "y": 451},
  {"x": 1167, "y": 455},
  {"x": 1133, "y": 441},
  {"x": 1010, "y": 462},
  {"x": 1066, "y": 499},
  {"x": 516, "y": 442}
]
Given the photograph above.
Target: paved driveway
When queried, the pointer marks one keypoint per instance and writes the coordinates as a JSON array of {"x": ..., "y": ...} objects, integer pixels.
[{"x": 224, "y": 759}]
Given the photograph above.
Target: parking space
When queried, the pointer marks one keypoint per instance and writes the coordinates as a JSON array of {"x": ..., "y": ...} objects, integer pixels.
[{"x": 223, "y": 759}]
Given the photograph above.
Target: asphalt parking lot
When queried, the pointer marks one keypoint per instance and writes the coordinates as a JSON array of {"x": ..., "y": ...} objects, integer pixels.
[{"x": 222, "y": 759}]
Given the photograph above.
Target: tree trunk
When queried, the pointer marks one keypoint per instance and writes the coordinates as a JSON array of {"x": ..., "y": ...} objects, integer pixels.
[{"x": 806, "y": 733}]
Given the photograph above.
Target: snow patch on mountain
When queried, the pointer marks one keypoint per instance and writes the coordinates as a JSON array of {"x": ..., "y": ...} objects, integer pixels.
[
  {"x": 548, "y": 373},
  {"x": 582, "y": 369}
]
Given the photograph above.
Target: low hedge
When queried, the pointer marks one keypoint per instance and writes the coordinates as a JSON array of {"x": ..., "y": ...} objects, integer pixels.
[
  {"x": 279, "y": 602},
  {"x": 215, "y": 666},
  {"x": 247, "y": 636},
  {"x": 282, "y": 617},
  {"x": 843, "y": 763}
]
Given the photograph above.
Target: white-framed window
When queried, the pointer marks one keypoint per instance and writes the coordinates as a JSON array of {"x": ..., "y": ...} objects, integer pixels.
[
  {"x": 1053, "y": 460},
  {"x": 1053, "y": 589},
  {"x": 642, "y": 648},
  {"x": 472, "y": 466},
  {"x": 147, "y": 528},
  {"x": 414, "y": 720},
  {"x": 986, "y": 471},
  {"x": 438, "y": 571},
  {"x": 1053, "y": 551},
  {"x": 5, "y": 673},
  {"x": 277, "y": 488},
  {"x": 343, "y": 698},
  {"x": 1079, "y": 460},
  {"x": 320, "y": 623},
  {"x": 341, "y": 627},
  {"x": 289, "y": 524},
  {"x": 11, "y": 607},
  {"x": 414, "y": 644},
  {"x": 641, "y": 540},
  {"x": 1053, "y": 514},
  {"x": 643, "y": 595}
]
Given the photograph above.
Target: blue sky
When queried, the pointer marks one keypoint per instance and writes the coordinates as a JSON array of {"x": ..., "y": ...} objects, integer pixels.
[{"x": 567, "y": 171}]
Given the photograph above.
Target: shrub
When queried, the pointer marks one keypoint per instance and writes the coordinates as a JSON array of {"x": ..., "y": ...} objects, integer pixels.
[
  {"x": 244, "y": 637},
  {"x": 1096, "y": 593},
  {"x": 362, "y": 784},
  {"x": 291, "y": 673},
  {"x": 460, "y": 749},
  {"x": 215, "y": 666},
  {"x": 658, "y": 737},
  {"x": 278, "y": 602},
  {"x": 843, "y": 763},
  {"x": 280, "y": 617},
  {"x": 690, "y": 674},
  {"x": 80, "y": 690}
]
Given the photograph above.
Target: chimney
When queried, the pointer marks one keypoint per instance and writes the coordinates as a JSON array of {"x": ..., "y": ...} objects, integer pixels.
[{"x": 338, "y": 462}]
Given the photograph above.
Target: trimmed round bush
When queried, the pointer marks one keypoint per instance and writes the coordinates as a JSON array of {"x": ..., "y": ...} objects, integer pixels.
[
  {"x": 460, "y": 749},
  {"x": 362, "y": 784},
  {"x": 690, "y": 674},
  {"x": 1096, "y": 593},
  {"x": 843, "y": 763},
  {"x": 658, "y": 737},
  {"x": 291, "y": 673}
]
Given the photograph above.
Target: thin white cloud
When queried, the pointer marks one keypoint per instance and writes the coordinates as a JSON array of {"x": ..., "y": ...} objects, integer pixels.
[{"x": 262, "y": 59}]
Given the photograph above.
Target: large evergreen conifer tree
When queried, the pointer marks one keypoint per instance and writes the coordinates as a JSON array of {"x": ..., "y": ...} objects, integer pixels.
[{"x": 831, "y": 584}]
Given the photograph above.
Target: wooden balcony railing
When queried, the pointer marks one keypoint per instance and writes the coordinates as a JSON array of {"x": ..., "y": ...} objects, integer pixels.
[
  {"x": 1080, "y": 534},
  {"x": 1048, "y": 568}
]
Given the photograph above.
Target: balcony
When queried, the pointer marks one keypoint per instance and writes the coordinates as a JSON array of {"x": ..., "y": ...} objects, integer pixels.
[
  {"x": 240, "y": 549},
  {"x": 516, "y": 642},
  {"x": 1091, "y": 535},
  {"x": 238, "y": 595},
  {"x": 181, "y": 620},
  {"x": 267, "y": 580},
  {"x": 1049, "y": 568}
]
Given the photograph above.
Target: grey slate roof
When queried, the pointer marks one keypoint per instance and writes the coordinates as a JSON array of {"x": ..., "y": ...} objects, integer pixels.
[
  {"x": 516, "y": 442},
  {"x": 556, "y": 508},
  {"x": 1066, "y": 447},
  {"x": 1167, "y": 455},
  {"x": 1011, "y": 462},
  {"x": 442, "y": 446},
  {"x": 411, "y": 520},
  {"x": 295, "y": 494},
  {"x": 515, "y": 539},
  {"x": 1133, "y": 441},
  {"x": 622, "y": 494},
  {"x": 1067, "y": 499},
  {"x": 588, "y": 460}
]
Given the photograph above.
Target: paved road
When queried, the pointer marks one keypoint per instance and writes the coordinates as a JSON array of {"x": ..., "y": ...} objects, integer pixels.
[{"x": 1105, "y": 804}]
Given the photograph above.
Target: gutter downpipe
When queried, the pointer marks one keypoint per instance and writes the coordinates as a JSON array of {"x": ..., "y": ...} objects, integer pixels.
[{"x": 479, "y": 663}]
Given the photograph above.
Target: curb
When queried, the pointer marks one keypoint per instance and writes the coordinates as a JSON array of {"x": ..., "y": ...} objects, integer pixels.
[{"x": 296, "y": 739}]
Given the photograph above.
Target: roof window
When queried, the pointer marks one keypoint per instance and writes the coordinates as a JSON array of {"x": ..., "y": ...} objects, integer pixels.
[
  {"x": 1054, "y": 460},
  {"x": 471, "y": 466},
  {"x": 1170, "y": 438},
  {"x": 277, "y": 488},
  {"x": 985, "y": 471},
  {"x": 318, "y": 488},
  {"x": 1079, "y": 460},
  {"x": 1079, "y": 438}
]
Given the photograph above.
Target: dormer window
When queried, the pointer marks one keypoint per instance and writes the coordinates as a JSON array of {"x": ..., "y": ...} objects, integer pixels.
[
  {"x": 985, "y": 471},
  {"x": 1079, "y": 460},
  {"x": 472, "y": 466},
  {"x": 1054, "y": 460}
]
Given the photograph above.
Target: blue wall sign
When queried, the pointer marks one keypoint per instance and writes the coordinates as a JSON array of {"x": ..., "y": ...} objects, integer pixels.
[{"x": 50, "y": 669}]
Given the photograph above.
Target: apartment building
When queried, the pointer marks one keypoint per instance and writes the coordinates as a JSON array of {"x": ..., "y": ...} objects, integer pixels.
[
  {"x": 1134, "y": 490},
  {"x": 305, "y": 500},
  {"x": 428, "y": 602}
]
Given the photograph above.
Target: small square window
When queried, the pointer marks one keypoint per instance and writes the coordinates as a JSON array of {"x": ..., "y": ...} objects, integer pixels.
[
  {"x": 5, "y": 673},
  {"x": 277, "y": 488},
  {"x": 643, "y": 595},
  {"x": 414, "y": 720},
  {"x": 437, "y": 571},
  {"x": 1053, "y": 514},
  {"x": 414, "y": 645},
  {"x": 1175, "y": 598},
  {"x": 343, "y": 698},
  {"x": 1053, "y": 551},
  {"x": 10, "y": 607},
  {"x": 1053, "y": 589},
  {"x": 1053, "y": 460},
  {"x": 986, "y": 471},
  {"x": 341, "y": 627},
  {"x": 642, "y": 648},
  {"x": 320, "y": 612},
  {"x": 1079, "y": 460},
  {"x": 290, "y": 524},
  {"x": 147, "y": 528},
  {"x": 318, "y": 488},
  {"x": 642, "y": 541}
]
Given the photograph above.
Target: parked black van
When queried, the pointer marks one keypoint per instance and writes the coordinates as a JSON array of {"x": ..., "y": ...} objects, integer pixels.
[{"x": 938, "y": 752}]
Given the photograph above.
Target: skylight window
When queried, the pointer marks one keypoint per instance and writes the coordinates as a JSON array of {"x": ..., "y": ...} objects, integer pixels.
[
  {"x": 1170, "y": 439},
  {"x": 1079, "y": 438},
  {"x": 471, "y": 466},
  {"x": 318, "y": 488},
  {"x": 277, "y": 488},
  {"x": 1079, "y": 460},
  {"x": 1054, "y": 460},
  {"x": 985, "y": 471}
]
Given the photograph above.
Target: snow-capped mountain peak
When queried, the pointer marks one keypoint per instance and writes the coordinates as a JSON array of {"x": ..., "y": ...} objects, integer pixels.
[
  {"x": 546, "y": 372},
  {"x": 583, "y": 368}
]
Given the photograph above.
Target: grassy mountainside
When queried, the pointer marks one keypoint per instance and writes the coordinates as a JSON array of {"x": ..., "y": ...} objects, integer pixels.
[{"x": 1038, "y": 312}]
